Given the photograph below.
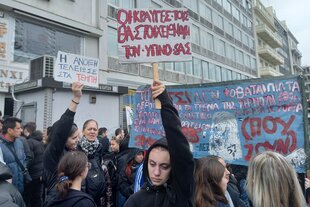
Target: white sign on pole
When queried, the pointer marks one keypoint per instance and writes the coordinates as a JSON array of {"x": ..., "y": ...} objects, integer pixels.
[
  {"x": 155, "y": 35},
  {"x": 70, "y": 68}
]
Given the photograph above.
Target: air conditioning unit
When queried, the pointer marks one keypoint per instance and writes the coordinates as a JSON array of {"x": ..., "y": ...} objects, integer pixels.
[{"x": 42, "y": 67}]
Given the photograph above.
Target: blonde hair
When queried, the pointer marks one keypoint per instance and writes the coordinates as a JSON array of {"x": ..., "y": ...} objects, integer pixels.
[{"x": 272, "y": 182}]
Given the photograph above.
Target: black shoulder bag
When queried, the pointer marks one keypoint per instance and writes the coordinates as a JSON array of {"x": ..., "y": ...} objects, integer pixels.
[{"x": 27, "y": 177}]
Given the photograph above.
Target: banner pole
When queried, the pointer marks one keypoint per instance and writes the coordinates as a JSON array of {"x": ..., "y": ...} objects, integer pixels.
[{"x": 156, "y": 78}]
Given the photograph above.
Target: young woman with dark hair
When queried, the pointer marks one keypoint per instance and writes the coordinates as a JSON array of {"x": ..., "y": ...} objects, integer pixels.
[
  {"x": 169, "y": 163},
  {"x": 63, "y": 138},
  {"x": 72, "y": 170},
  {"x": 211, "y": 178}
]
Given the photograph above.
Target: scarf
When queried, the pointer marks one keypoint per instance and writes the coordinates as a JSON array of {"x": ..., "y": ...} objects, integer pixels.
[{"x": 87, "y": 146}]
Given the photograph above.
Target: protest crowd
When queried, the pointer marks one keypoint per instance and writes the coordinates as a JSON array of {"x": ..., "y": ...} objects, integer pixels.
[{"x": 71, "y": 166}]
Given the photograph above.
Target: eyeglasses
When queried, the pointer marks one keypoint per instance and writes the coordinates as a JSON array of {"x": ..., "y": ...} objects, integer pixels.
[{"x": 88, "y": 165}]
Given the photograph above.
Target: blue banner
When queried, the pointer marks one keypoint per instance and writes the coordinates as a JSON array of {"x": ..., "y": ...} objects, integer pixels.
[{"x": 234, "y": 120}]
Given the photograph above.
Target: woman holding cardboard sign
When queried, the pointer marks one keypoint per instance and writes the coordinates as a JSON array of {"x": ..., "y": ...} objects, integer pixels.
[
  {"x": 169, "y": 163},
  {"x": 63, "y": 137}
]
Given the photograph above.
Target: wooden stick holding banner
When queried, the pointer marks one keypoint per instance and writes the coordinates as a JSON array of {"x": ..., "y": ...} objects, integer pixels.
[{"x": 156, "y": 78}]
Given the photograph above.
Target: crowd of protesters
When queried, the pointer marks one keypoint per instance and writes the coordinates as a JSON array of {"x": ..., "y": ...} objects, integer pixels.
[{"x": 67, "y": 166}]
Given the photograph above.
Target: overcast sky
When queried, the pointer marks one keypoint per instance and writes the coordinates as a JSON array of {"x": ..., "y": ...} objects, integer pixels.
[{"x": 297, "y": 17}]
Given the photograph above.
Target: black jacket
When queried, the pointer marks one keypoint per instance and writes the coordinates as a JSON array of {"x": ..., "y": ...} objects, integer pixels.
[
  {"x": 126, "y": 183},
  {"x": 9, "y": 193},
  {"x": 179, "y": 189},
  {"x": 121, "y": 159},
  {"x": 36, "y": 146},
  {"x": 104, "y": 141},
  {"x": 74, "y": 198},
  {"x": 56, "y": 149}
]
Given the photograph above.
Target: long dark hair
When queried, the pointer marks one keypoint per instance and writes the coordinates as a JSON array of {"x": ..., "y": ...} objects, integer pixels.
[
  {"x": 208, "y": 175},
  {"x": 71, "y": 165}
]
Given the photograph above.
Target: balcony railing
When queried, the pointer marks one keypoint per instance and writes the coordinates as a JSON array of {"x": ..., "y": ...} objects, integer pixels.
[
  {"x": 269, "y": 71},
  {"x": 270, "y": 55},
  {"x": 264, "y": 14},
  {"x": 271, "y": 38}
]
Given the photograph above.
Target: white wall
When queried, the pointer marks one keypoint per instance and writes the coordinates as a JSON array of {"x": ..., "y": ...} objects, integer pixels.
[{"x": 105, "y": 111}]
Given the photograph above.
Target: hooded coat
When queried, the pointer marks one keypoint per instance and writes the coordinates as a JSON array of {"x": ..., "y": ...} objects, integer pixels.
[
  {"x": 10, "y": 196},
  {"x": 179, "y": 189},
  {"x": 126, "y": 183},
  {"x": 37, "y": 149},
  {"x": 75, "y": 198}
]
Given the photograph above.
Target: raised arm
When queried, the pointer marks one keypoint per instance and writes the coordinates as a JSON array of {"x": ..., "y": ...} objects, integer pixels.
[
  {"x": 181, "y": 157},
  {"x": 61, "y": 129}
]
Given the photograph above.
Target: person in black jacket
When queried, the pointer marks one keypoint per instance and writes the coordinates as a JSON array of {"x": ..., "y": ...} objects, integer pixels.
[
  {"x": 72, "y": 170},
  {"x": 128, "y": 174},
  {"x": 33, "y": 190},
  {"x": 9, "y": 193},
  {"x": 103, "y": 139},
  {"x": 63, "y": 137},
  {"x": 169, "y": 163},
  {"x": 95, "y": 183}
]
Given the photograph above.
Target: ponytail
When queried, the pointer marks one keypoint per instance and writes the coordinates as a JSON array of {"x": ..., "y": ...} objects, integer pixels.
[{"x": 63, "y": 185}]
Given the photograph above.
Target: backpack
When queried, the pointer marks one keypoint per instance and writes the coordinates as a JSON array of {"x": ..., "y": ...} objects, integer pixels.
[
  {"x": 95, "y": 180},
  {"x": 111, "y": 168}
]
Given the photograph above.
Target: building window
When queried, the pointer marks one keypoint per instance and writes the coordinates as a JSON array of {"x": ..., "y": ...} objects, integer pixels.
[
  {"x": 227, "y": 6},
  {"x": 253, "y": 64},
  {"x": 245, "y": 39},
  {"x": 33, "y": 40},
  {"x": 195, "y": 34},
  {"x": 220, "y": 47},
  {"x": 210, "y": 42},
  {"x": 179, "y": 67},
  {"x": 237, "y": 33},
  {"x": 224, "y": 74},
  {"x": 236, "y": 13},
  {"x": 252, "y": 44},
  {"x": 229, "y": 74},
  {"x": 205, "y": 12},
  {"x": 230, "y": 52},
  {"x": 229, "y": 28},
  {"x": 169, "y": 66},
  {"x": 219, "y": 2},
  {"x": 189, "y": 67},
  {"x": 218, "y": 71},
  {"x": 128, "y": 4},
  {"x": 144, "y": 4},
  {"x": 112, "y": 42},
  {"x": 218, "y": 21},
  {"x": 192, "y": 5},
  {"x": 239, "y": 57},
  {"x": 114, "y": 2},
  {"x": 247, "y": 61},
  {"x": 197, "y": 67},
  {"x": 212, "y": 73},
  {"x": 205, "y": 68}
]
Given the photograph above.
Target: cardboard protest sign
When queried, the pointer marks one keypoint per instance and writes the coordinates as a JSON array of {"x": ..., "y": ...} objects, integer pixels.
[
  {"x": 234, "y": 120},
  {"x": 154, "y": 35},
  {"x": 70, "y": 68}
]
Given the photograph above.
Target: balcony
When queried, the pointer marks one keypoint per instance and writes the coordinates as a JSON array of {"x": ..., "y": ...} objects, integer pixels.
[
  {"x": 268, "y": 36},
  {"x": 297, "y": 67},
  {"x": 264, "y": 14},
  {"x": 296, "y": 52},
  {"x": 269, "y": 54},
  {"x": 269, "y": 71}
]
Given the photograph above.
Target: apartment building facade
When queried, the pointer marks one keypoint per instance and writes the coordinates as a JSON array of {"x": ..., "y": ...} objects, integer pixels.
[
  {"x": 222, "y": 36},
  {"x": 267, "y": 41},
  {"x": 230, "y": 40}
]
